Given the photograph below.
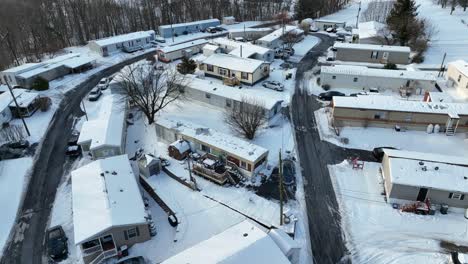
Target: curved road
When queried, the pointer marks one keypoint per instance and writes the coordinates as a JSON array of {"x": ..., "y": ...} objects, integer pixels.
[
  {"x": 26, "y": 244},
  {"x": 327, "y": 238}
]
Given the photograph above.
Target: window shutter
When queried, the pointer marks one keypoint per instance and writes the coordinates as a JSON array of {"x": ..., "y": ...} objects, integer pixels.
[
  {"x": 450, "y": 195},
  {"x": 137, "y": 231},
  {"x": 126, "y": 235}
]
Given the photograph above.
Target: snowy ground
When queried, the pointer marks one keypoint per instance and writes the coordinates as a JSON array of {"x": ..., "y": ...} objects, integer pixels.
[
  {"x": 12, "y": 178},
  {"x": 376, "y": 233},
  {"x": 371, "y": 137}
]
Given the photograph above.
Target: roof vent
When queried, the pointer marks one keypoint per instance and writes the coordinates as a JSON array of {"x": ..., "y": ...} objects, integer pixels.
[
  {"x": 114, "y": 173},
  {"x": 421, "y": 163},
  {"x": 245, "y": 234},
  {"x": 107, "y": 171},
  {"x": 251, "y": 153},
  {"x": 424, "y": 168},
  {"x": 102, "y": 174},
  {"x": 436, "y": 168},
  {"x": 121, "y": 190}
]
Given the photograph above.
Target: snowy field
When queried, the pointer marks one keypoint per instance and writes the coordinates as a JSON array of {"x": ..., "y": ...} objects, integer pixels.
[
  {"x": 12, "y": 178},
  {"x": 378, "y": 234},
  {"x": 371, "y": 137}
]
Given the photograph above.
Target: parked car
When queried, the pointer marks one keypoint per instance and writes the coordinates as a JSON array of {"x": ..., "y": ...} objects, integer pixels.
[
  {"x": 340, "y": 39},
  {"x": 328, "y": 96},
  {"x": 164, "y": 162},
  {"x": 94, "y": 94},
  {"x": 20, "y": 144},
  {"x": 103, "y": 83},
  {"x": 211, "y": 30},
  {"x": 219, "y": 29},
  {"x": 56, "y": 241},
  {"x": 378, "y": 153},
  {"x": 132, "y": 260},
  {"x": 154, "y": 44},
  {"x": 331, "y": 30},
  {"x": 73, "y": 151},
  {"x": 274, "y": 85},
  {"x": 314, "y": 29},
  {"x": 289, "y": 51},
  {"x": 160, "y": 39}
]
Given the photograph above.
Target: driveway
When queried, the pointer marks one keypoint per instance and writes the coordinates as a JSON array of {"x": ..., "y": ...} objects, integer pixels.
[
  {"x": 327, "y": 238},
  {"x": 26, "y": 243}
]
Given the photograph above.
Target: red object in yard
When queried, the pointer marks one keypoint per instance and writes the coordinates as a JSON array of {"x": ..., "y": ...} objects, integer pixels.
[{"x": 357, "y": 164}]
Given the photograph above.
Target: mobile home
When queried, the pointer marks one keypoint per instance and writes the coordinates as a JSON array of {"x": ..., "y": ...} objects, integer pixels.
[
  {"x": 323, "y": 24},
  {"x": 111, "y": 45},
  {"x": 274, "y": 39},
  {"x": 249, "y": 33},
  {"x": 178, "y": 51},
  {"x": 372, "y": 53},
  {"x": 457, "y": 76},
  {"x": 167, "y": 31}
]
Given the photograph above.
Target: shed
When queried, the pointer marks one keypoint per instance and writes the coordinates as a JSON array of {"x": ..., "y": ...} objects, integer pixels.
[
  {"x": 417, "y": 176},
  {"x": 229, "y": 20},
  {"x": 149, "y": 165},
  {"x": 179, "y": 149},
  {"x": 372, "y": 53}
]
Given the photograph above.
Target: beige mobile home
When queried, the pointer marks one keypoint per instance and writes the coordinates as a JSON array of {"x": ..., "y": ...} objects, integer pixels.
[
  {"x": 417, "y": 176},
  {"x": 360, "y": 77},
  {"x": 372, "y": 53},
  {"x": 387, "y": 111},
  {"x": 105, "y": 136},
  {"x": 457, "y": 76},
  {"x": 248, "y": 71},
  {"x": 249, "y": 158},
  {"x": 108, "y": 211},
  {"x": 175, "y": 52}
]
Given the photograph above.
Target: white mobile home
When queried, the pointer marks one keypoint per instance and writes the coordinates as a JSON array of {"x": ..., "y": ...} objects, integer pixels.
[
  {"x": 360, "y": 77},
  {"x": 457, "y": 76},
  {"x": 167, "y": 31},
  {"x": 417, "y": 176},
  {"x": 323, "y": 24},
  {"x": 10, "y": 74},
  {"x": 248, "y": 71},
  {"x": 274, "y": 39},
  {"x": 249, "y": 158},
  {"x": 5, "y": 101},
  {"x": 28, "y": 104},
  {"x": 108, "y": 211},
  {"x": 111, "y": 45},
  {"x": 372, "y": 53},
  {"x": 175, "y": 52},
  {"x": 210, "y": 49},
  {"x": 226, "y": 97},
  {"x": 229, "y": 20},
  {"x": 105, "y": 136},
  {"x": 244, "y": 49},
  {"x": 249, "y": 33}
]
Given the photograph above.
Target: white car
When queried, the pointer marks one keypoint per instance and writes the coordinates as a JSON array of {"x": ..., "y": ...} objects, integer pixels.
[
  {"x": 103, "y": 83},
  {"x": 274, "y": 85}
]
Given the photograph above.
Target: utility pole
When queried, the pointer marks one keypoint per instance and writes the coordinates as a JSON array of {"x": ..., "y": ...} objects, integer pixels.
[
  {"x": 281, "y": 187},
  {"x": 17, "y": 106},
  {"x": 441, "y": 70},
  {"x": 84, "y": 108},
  {"x": 358, "y": 12}
]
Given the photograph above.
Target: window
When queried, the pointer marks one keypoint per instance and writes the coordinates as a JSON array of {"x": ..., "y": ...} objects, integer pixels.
[
  {"x": 374, "y": 55},
  {"x": 459, "y": 78},
  {"x": 228, "y": 102},
  {"x": 223, "y": 72},
  {"x": 243, "y": 165},
  {"x": 208, "y": 96},
  {"x": 131, "y": 233},
  {"x": 205, "y": 148},
  {"x": 457, "y": 196},
  {"x": 355, "y": 79},
  {"x": 334, "y": 77},
  {"x": 377, "y": 116},
  {"x": 209, "y": 67},
  {"x": 244, "y": 75}
]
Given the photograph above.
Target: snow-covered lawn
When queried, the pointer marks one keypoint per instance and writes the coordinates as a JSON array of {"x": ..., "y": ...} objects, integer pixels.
[
  {"x": 376, "y": 233},
  {"x": 371, "y": 137},
  {"x": 12, "y": 178}
]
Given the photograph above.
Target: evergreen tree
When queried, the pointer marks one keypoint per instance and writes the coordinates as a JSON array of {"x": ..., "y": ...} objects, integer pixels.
[
  {"x": 186, "y": 66},
  {"x": 402, "y": 19}
]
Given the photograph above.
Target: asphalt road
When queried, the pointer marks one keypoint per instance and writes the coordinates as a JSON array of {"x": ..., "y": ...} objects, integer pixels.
[
  {"x": 327, "y": 238},
  {"x": 27, "y": 240}
]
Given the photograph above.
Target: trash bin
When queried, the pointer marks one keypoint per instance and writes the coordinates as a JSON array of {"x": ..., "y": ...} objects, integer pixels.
[{"x": 444, "y": 209}]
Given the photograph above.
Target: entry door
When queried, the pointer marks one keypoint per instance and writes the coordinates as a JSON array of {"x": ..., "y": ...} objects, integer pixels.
[{"x": 422, "y": 194}]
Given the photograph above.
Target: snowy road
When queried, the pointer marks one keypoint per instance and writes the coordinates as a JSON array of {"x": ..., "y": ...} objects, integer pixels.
[
  {"x": 27, "y": 240},
  {"x": 328, "y": 243}
]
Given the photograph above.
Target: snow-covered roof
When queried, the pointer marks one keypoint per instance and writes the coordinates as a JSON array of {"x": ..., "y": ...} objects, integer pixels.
[
  {"x": 108, "y": 128},
  {"x": 242, "y": 243},
  {"x": 236, "y": 30},
  {"x": 194, "y": 23},
  {"x": 423, "y": 169},
  {"x": 229, "y": 17},
  {"x": 329, "y": 21},
  {"x": 425, "y": 156},
  {"x": 283, "y": 240},
  {"x": 265, "y": 96},
  {"x": 69, "y": 60},
  {"x": 183, "y": 46},
  {"x": 440, "y": 97},
  {"x": 234, "y": 62},
  {"x": 233, "y": 145},
  {"x": 370, "y": 29},
  {"x": 24, "y": 98},
  {"x": 105, "y": 195},
  {"x": 6, "y": 99},
  {"x": 390, "y": 103},
  {"x": 210, "y": 47},
  {"x": 461, "y": 66},
  {"x": 23, "y": 68},
  {"x": 78, "y": 61},
  {"x": 370, "y": 72},
  {"x": 248, "y": 49},
  {"x": 123, "y": 38},
  {"x": 353, "y": 46},
  {"x": 181, "y": 145},
  {"x": 277, "y": 34}
]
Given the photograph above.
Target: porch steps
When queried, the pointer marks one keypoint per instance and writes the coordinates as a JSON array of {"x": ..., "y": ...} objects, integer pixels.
[
  {"x": 98, "y": 259},
  {"x": 450, "y": 131}
]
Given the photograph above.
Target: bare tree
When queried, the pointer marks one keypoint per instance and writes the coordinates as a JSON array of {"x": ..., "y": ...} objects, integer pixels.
[
  {"x": 152, "y": 90},
  {"x": 246, "y": 117},
  {"x": 290, "y": 38}
]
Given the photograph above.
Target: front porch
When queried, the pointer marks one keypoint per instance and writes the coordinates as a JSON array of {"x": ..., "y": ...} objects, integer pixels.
[{"x": 96, "y": 250}]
